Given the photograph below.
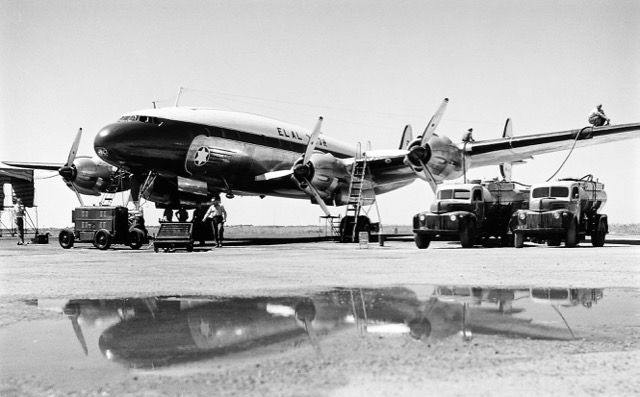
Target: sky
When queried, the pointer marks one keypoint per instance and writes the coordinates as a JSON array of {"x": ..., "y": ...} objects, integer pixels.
[{"x": 368, "y": 67}]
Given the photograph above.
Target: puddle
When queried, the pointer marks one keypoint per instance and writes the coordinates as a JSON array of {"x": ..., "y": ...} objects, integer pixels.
[{"x": 99, "y": 338}]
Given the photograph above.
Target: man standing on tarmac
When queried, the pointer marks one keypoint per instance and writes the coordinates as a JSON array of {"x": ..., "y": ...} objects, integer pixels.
[
  {"x": 19, "y": 214},
  {"x": 217, "y": 215}
]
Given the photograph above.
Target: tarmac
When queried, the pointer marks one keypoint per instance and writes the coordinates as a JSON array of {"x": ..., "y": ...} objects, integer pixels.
[{"x": 588, "y": 345}]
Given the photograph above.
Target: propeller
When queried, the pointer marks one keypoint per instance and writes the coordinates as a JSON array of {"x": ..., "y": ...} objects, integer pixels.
[
  {"x": 68, "y": 171},
  {"x": 420, "y": 153},
  {"x": 302, "y": 170}
]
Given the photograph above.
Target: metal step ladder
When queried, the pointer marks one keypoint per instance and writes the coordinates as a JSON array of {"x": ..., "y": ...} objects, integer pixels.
[{"x": 355, "y": 203}]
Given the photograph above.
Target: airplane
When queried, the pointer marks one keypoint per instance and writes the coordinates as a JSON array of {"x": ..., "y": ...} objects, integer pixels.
[{"x": 183, "y": 156}]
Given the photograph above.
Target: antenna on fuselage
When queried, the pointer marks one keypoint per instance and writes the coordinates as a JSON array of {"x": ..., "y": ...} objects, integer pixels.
[{"x": 178, "y": 97}]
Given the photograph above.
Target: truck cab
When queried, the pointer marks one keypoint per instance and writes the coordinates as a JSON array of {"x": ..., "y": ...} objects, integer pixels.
[
  {"x": 467, "y": 212},
  {"x": 566, "y": 209}
]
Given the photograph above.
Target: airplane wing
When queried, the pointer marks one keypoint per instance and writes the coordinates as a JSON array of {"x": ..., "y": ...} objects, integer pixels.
[
  {"x": 513, "y": 149},
  {"x": 35, "y": 166}
]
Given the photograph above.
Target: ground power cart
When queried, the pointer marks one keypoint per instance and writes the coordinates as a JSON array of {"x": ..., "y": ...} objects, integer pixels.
[{"x": 104, "y": 226}]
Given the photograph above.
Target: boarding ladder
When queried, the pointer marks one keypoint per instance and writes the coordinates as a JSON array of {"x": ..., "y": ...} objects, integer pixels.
[{"x": 355, "y": 203}]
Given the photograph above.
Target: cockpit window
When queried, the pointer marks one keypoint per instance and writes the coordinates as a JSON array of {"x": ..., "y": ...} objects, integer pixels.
[
  {"x": 454, "y": 194},
  {"x": 141, "y": 118},
  {"x": 550, "y": 191}
]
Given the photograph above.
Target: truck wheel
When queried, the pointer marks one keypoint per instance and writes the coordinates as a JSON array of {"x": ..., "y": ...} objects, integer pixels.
[
  {"x": 572, "y": 235},
  {"x": 506, "y": 240},
  {"x": 599, "y": 235},
  {"x": 135, "y": 238},
  {"x": 468, "y": 235},
  {"x": 66, "y": 238},
  {"x": 422, "y": 241},
  {"x": 102, "y": 239},
  {"x": 518, "y": 240}
]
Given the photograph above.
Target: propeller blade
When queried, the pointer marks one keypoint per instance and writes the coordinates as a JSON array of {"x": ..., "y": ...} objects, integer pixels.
[
  {"x": 427, "y": 176},
  {"x": 273, "y": 175},
  {"x": 312, "y": 141},
  {"x": 433, "y": 123},
  {"x": 318, "y": 198},
  {"x": 74, "y": 149},
  {"x": 77, "y": 194},
  {"x": 407, "y": 137}
]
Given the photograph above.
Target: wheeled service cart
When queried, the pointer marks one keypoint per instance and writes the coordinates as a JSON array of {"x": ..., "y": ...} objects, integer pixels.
[{"x": 174, "y": 235}]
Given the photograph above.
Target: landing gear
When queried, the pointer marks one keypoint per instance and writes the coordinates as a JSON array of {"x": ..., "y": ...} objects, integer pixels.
[{"x": 347, "y": 225}]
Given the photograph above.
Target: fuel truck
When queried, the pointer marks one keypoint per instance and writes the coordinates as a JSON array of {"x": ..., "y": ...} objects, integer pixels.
[
  {"x": 564, "y": 210},
  {"x": 470, "y": 213}
]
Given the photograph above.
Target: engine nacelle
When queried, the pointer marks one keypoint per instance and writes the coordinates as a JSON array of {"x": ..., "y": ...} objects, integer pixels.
[
  {"x": 92, "y": 176},
  {"x": 326, "y": 171},
  {"x": 441, "y": 156}
]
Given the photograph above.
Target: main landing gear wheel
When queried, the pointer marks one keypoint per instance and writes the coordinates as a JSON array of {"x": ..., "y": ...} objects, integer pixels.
[
  {"x": 102, "y": 239},
  {"x": 66, "y": 238}
]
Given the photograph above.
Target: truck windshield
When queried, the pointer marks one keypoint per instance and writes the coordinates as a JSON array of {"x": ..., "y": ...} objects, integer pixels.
[
  {"x": 550, "y": 191},
  {"x": 454, "y": 194}
]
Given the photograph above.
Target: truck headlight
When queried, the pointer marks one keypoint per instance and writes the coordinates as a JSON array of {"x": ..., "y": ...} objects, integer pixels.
[
  {"x": 522, "y": 216},
  {"x": 556, "y": 215},
  {"x": 422, "y": 217},
  {"x": 452, "y": 217}
]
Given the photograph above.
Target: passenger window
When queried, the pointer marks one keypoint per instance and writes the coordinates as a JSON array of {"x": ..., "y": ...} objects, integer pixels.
[
  {"x": 574, "y": 193},
  {"x": 477, "y": 195}
]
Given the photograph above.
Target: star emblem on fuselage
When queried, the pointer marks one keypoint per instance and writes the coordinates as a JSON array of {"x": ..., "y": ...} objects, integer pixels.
[{"x": 202, "y": 156}]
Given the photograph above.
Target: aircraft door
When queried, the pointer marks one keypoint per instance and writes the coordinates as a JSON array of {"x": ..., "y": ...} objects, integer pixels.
[{"x": 477, "y": 204}]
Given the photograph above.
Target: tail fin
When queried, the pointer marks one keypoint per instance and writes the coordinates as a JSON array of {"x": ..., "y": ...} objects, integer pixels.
[
  {"x": 505, "y": 168},
  {"x": 407, "y": 137}
]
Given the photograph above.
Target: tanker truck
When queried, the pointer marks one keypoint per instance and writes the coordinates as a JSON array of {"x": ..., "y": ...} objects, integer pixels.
[
  {"x": 564, "y": 210},
  {"x": 470, "y": 212}
]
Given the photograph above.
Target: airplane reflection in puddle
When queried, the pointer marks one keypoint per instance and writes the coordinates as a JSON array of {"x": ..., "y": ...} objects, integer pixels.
[{"x": 161, "y": 331}]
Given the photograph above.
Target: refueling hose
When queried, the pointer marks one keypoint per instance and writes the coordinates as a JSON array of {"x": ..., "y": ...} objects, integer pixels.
[{"x": 569, "y": 154}]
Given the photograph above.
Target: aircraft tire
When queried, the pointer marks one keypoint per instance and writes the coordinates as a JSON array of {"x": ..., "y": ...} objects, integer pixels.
[
  {"x": 572, "y": 235},
  {"x": 66, "y": 238},
  {"x": 102, "y": 239},
  {"x": 468, "y": 235},
  {"x": 599, "y": 235},
  {"x": 422, "y": 241},
  {"x": 518, "y": 240},
  {"x": 135, "y": 238}
]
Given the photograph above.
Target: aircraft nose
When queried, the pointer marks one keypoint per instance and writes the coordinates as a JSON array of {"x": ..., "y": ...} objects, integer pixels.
[
  {"x": 139, "y": 146},
  {"x": 111, "y": 142}
]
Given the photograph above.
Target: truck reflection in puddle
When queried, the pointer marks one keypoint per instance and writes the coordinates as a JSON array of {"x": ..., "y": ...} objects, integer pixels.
[{"x": 161, "y": 331}]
